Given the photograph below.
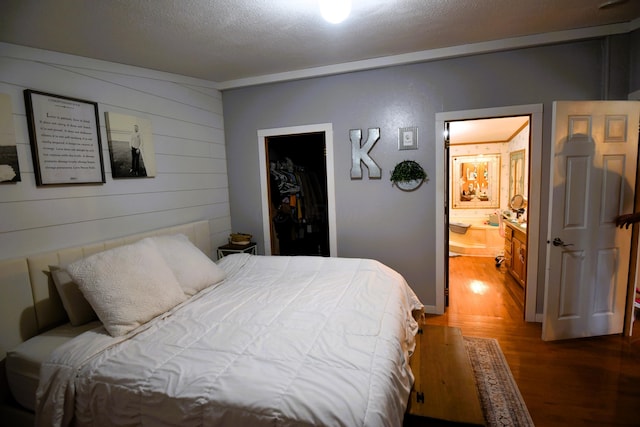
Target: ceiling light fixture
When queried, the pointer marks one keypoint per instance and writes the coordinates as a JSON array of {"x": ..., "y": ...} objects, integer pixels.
[{"x": 335, "y": 11}]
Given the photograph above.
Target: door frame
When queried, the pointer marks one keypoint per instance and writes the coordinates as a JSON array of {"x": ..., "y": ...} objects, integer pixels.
[
  {"x": 263, "y": 134},
  {"x": 634, "y": 262},
  {"x": 533, "y": 217}
]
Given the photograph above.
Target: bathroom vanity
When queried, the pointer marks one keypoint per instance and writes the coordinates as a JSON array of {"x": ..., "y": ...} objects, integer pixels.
[{"x": 515, "y": 250}]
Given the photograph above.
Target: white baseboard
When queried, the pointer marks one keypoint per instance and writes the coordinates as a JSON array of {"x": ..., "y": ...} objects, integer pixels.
[{"x": 431, "y": 309}]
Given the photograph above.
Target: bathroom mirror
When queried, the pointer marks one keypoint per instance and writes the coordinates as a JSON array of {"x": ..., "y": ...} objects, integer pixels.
[
  {"x": 476, "y": 181},
  {"x": 516, "y": 173},
  {"x": 518, "y": 202}
]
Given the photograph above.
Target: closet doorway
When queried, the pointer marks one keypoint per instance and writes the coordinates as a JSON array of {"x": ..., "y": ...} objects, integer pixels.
[
  {"x": 298, "y": 194},
  {"x": 298, "y": 198}
]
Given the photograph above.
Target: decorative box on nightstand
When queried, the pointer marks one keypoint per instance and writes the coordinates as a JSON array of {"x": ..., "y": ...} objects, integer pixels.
[{"x": 231, "y": 248}]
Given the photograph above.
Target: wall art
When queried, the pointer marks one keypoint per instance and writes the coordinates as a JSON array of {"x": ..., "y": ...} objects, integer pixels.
[
  {"x": 65, "y": 139},
  {"x": 9, "y": 168},
  {"x": 360, "y": 153},
  {"x": 408, "y": 175},
  {"x": 408, "y": 138},
  {"x": 131, "y": 148},
  {"x": 476, "y": 181}
]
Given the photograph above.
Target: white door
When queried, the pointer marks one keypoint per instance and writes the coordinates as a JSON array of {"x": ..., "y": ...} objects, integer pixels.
[{"x": 594, "y": 157}]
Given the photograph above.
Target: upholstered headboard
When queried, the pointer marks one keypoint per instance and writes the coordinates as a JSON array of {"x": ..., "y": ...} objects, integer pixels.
[{"x": 29, "y": 303}]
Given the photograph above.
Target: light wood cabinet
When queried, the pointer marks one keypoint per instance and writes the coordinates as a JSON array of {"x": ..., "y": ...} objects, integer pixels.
[
  {"x": 444, "y": 391},
  {"x": 515, "y": 252}
]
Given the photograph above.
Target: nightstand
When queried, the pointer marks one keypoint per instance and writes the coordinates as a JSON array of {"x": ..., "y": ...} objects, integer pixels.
[{"x": 231, "y": 248}]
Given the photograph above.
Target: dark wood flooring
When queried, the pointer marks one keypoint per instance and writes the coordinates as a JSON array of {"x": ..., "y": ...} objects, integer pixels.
[{"x": 583, "y": 382}]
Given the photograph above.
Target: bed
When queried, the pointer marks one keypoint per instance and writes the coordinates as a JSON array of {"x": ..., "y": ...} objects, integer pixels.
[{"x": 246, "y": 341}]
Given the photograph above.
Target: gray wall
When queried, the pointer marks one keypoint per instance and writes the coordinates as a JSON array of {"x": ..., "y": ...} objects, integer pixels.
[
  {"x": 375, "y": 220},
  {"x": 634, "y": 68}
]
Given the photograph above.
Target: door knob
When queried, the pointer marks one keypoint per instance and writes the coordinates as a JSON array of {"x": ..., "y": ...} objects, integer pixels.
[{"x": 558, "y": 242}]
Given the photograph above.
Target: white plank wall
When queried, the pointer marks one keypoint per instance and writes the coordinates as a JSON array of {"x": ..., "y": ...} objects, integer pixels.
[{"x": 188, "y": 133}]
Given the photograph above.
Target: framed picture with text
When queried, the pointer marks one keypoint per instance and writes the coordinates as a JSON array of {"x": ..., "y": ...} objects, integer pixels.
[{"x": 65, "y": 139}]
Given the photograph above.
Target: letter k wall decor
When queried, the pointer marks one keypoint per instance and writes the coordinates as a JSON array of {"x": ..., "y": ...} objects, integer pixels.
[{"x": 360, "y": 153}]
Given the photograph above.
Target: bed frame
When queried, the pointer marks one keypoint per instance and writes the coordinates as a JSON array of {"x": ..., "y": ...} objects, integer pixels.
[{"x": 30, "y": 305}]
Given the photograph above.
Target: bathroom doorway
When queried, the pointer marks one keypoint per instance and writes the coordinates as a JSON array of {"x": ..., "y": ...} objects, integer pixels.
[
  {"x": 482, "y": 193},
  {"x": 488, "y": 182}
]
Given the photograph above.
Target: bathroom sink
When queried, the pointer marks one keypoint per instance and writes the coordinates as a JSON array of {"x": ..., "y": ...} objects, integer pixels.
[{"x": 515, "y": 222}]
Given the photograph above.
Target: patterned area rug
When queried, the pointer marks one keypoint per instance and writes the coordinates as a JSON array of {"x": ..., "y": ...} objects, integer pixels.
[{"x": 500, "y": 398}]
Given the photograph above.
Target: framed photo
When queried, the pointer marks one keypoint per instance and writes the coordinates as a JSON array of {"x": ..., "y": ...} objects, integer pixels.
[
  {"x": 408, "y": 138},
  {"x": 65, "y": 139},
  {"x": 131, "y": 147},
  {"x": 476, "y": 181},
  {"x": 9, "y": 167}
]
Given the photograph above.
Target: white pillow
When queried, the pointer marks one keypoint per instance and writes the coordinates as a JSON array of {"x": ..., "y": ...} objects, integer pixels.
[
  {"x": 127, "y": 286},
  {"x": 75, "y": 304},
  {"x": 193, "y": 269}
]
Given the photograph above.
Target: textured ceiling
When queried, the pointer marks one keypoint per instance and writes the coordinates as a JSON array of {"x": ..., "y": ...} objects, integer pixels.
[{"x": 223, "y": 40}]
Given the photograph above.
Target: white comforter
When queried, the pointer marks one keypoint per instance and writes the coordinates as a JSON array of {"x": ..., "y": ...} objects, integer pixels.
[{"x": 283, "y": 341}]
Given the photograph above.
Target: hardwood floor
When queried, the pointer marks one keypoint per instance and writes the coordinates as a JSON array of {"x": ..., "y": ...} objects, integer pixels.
[{"x": 583, "y": 382}]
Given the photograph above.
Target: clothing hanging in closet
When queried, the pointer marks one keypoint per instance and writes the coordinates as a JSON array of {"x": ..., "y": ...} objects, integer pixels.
[{"x": 297, "y": 197}]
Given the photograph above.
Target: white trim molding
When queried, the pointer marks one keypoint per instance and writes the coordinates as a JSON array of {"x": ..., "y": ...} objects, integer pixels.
[{"x": 436, "y": 54}]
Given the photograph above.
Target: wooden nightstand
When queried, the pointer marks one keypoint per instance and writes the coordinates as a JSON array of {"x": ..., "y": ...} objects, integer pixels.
[{"x": 231, "y": 248}]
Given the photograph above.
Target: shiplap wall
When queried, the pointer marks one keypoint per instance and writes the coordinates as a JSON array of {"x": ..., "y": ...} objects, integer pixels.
[{"x": 188, "y": 133}]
